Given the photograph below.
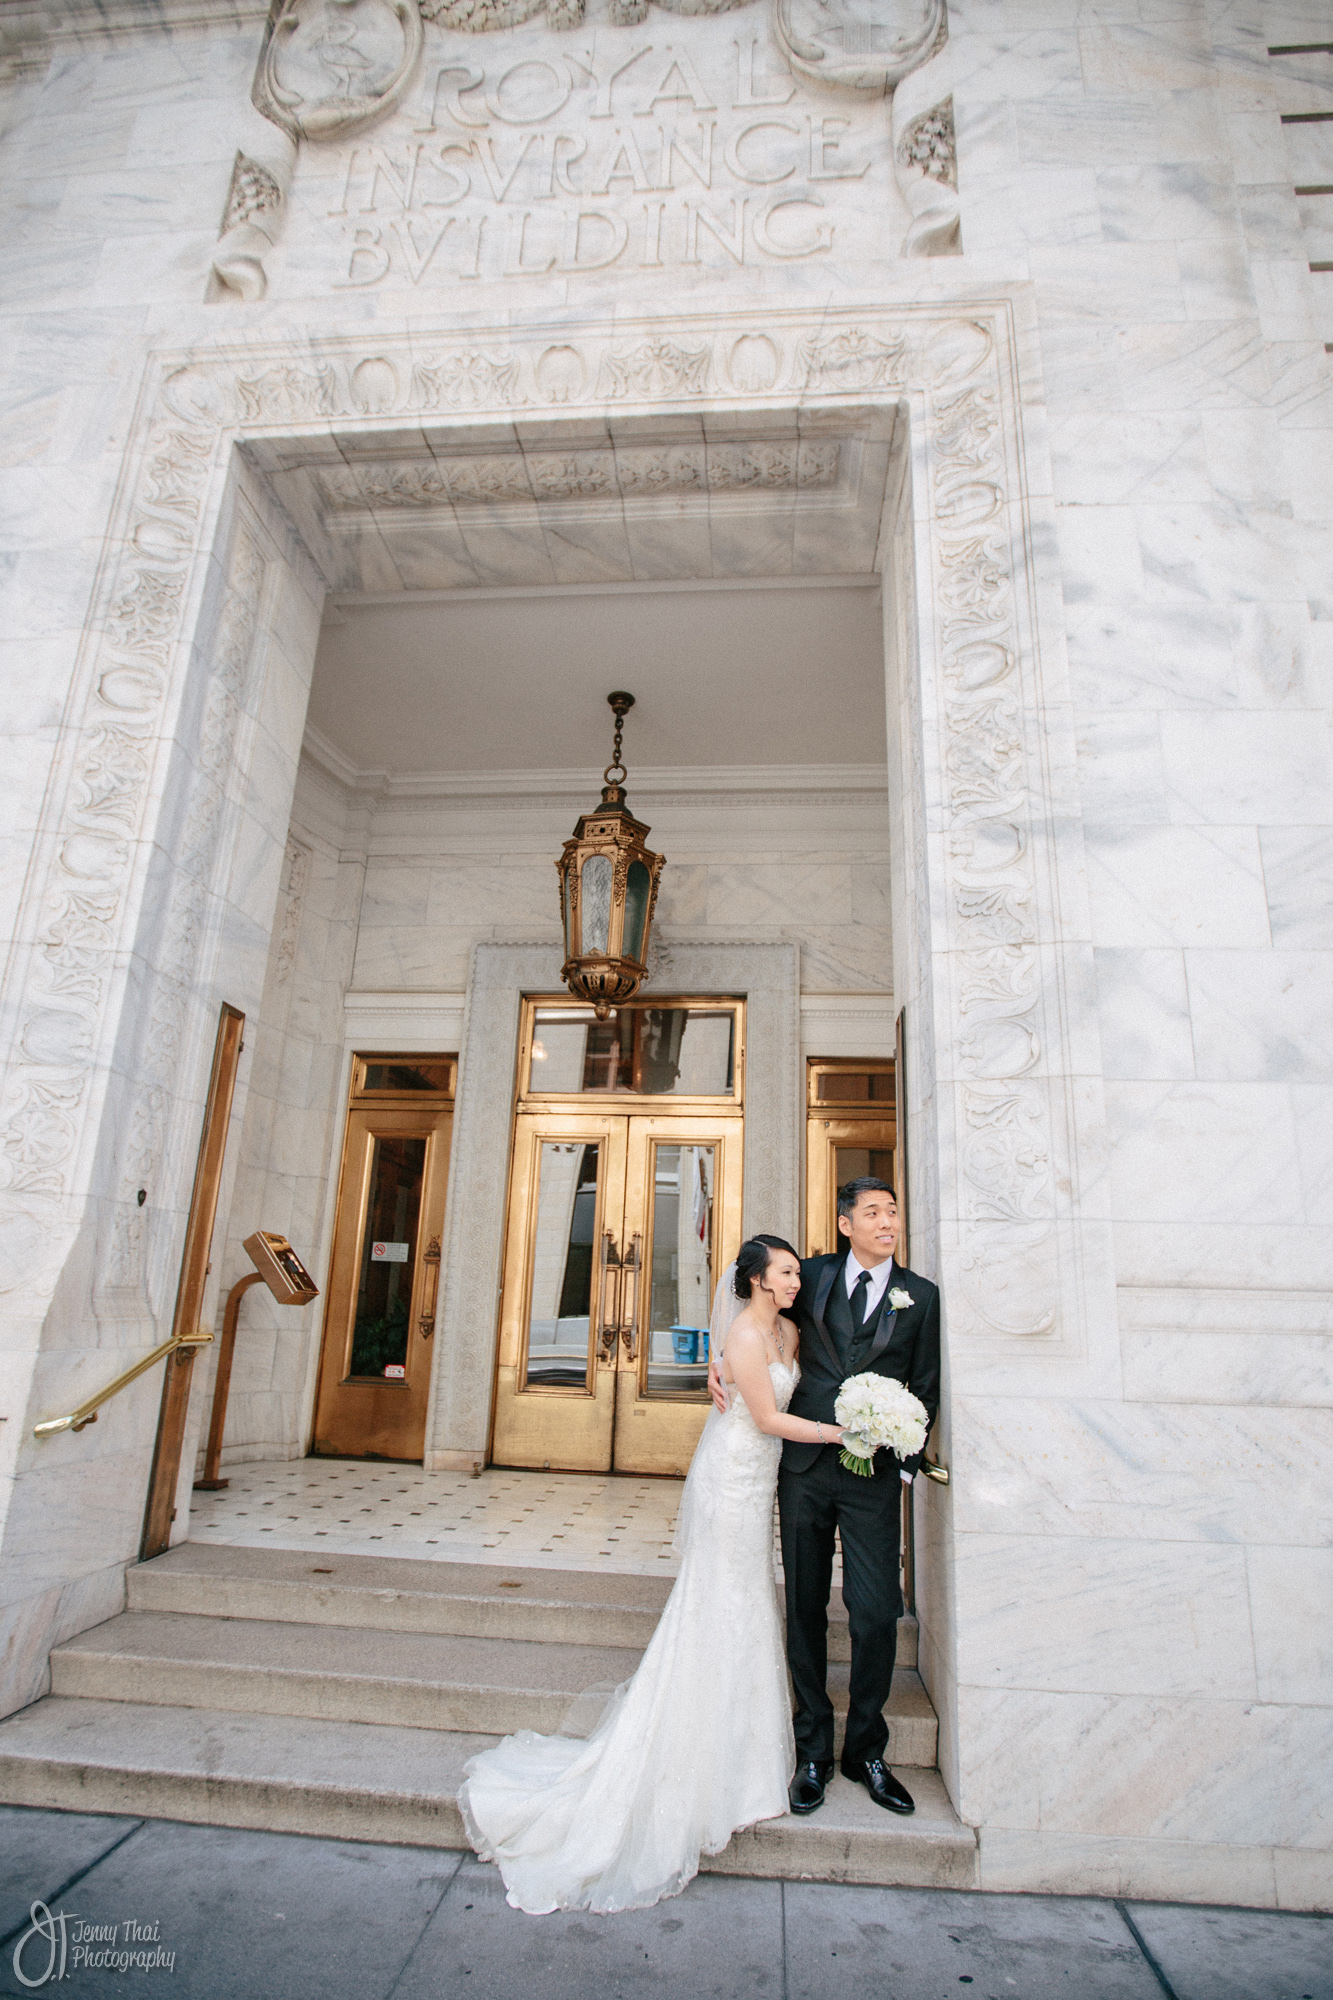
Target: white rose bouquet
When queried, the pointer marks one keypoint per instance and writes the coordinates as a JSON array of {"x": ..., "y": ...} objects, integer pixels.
[{"x": 875, "y": 1410}]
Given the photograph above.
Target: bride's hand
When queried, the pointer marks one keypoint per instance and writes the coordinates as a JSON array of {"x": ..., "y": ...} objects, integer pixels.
[{"x": 715, "y": 1388}]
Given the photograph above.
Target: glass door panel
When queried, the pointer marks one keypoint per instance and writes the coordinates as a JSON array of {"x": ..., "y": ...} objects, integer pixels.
[
  {"x": 678, "y": 1267},
  {"x": 559, "y": 1349},
  {"x": 559, "y": 1308},
  {"x": 382, "y": 1325},
  {"x": 683, "y": 1196},
  {"x": 379, "y": 1321},
  {"x": 851, "y": 1129},
  {"x": 617, "y": 1226},
  {"x": 647, "y": 1051}
]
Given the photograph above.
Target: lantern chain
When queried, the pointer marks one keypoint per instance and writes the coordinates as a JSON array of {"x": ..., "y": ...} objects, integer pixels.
[{"x": 621, "y": 703}]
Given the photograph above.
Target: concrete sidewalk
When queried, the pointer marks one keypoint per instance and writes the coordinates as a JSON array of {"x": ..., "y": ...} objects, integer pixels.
[{"x": 259, "y": 1916}]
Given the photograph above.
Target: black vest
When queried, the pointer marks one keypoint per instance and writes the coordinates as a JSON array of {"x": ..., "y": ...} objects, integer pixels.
[{"x": 838, "y": 1319}]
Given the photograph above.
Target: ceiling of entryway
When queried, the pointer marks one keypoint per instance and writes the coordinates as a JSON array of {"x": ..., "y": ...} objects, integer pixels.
[
  {"x": 754, "y": 674},
  {"x": 490, "y": 587}
]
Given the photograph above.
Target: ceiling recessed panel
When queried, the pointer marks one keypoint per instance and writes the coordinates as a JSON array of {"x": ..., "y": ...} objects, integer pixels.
[{"x": 769, "y": 675}]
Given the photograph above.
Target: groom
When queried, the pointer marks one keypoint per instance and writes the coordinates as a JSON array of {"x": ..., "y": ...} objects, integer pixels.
[{"x": 857, "y": 1311}]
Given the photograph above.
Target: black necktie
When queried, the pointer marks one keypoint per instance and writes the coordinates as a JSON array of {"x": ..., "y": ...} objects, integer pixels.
[{"x": 860, "y": 1293}]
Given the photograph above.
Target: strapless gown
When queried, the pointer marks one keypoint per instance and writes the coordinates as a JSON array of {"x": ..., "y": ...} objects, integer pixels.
[{"x": 696, "y": 1745}]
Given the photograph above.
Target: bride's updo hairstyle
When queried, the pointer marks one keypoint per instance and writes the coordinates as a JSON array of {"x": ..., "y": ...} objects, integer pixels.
[{"x": 752, "y": 1261}]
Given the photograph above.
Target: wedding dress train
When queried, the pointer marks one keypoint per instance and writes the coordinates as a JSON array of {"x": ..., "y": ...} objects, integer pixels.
[{"x": 696, "y": 1745}]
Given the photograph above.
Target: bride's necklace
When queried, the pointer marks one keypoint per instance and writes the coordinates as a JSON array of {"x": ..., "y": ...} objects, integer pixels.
[{"x": 779, "y": 1346}]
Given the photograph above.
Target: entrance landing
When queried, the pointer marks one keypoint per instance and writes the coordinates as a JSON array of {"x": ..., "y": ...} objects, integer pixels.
[{"x": 536, "y": 1520}]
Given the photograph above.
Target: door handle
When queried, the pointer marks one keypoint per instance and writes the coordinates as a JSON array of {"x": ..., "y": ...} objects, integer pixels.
[
  {"x": 610, "y": 1280},
  {"x": 431, "y": 1260},
  {"x": 629, "y": 1282}
]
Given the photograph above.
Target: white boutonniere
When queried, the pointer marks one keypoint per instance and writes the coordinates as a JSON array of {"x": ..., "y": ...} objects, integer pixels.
[{"x": 900, "y": 1300}]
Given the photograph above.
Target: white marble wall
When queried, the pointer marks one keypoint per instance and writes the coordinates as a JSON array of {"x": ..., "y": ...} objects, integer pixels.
[
  {"x": 1138, "y": 1579},
  {"x": 194, "y": 931},
  {"x": 749, "y": 867},
  {"x": 292, "y": 1136},
  {"x": 1125, "y": 1592}
]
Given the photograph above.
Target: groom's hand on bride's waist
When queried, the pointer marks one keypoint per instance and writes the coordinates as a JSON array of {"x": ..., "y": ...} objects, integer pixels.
[{"x": 715, "y": 1388}]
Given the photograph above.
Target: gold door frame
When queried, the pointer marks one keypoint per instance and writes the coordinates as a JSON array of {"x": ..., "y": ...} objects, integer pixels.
[
  {"x": 366, "y": 1416},
  {"x": 524, "y": 1429},
  {"x": 160, "y": 1505},
  {"x": 830, "y": 1123},
  {"x": 610, "y": 1422},
  {"x": 658, "y": 1433},
  {"x": 629, "y": 1100}
]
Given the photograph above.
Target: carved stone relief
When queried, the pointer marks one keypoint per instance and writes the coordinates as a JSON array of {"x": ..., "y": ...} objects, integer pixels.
[
  {"x": 494, "y": 479},
  {"x": 295, "y": 875},
  {"x": 251, "y": 223},
  {"x": 330, "y": 69},
  {"x": 925, "y": 157},
  {"x": 865, "y": 45},
  {"x": 110, "y": 763},
  {"x": 156, "y": 1065}
]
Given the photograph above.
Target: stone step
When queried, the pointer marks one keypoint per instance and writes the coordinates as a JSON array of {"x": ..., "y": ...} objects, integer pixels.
[
  {"x": 366, "y": 1781},
  {"x": 401, "y": 1594},
  {"x": 413, "y": 1680}
]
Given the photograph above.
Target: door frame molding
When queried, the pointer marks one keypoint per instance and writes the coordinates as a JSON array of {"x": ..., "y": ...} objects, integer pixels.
[{"x": 767, "y": 976}]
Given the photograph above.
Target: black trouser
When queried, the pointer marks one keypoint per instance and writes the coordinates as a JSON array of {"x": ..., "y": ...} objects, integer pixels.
[{"x": 867, "y": 1514}]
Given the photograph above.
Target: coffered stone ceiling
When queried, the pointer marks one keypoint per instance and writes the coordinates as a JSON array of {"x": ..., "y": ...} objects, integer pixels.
[{"x": 644, "y": 501}]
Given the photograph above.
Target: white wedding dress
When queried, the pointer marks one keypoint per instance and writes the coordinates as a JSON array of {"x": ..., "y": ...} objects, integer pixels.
[{"x": 697, "y": 1744}]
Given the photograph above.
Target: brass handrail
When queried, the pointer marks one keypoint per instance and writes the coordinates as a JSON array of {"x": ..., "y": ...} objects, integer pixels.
[
  {"x": 939, "y": 1473},
  {"x": 87, "y": 1412}
]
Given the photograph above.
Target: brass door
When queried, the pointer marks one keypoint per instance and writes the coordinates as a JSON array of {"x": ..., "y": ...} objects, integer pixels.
[
  {"x": 850, "y": 1130},
  {"x": 618, "y": 1226},
  {"x": 383, "y": 1279}
]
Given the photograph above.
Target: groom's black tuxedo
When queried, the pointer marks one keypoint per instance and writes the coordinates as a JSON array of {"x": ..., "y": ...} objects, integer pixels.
[
  {"x": 902, "y": 1344},
  {"x": 817, "y": 1497}
]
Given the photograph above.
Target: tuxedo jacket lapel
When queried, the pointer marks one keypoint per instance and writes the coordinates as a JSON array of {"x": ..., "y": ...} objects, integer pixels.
[
  {"x": 817, "y": 1309},
  {"x": 888, "y": 1320}
]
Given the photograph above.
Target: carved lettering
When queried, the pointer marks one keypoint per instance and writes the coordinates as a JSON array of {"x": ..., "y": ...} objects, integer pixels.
[{"x": 560, "y": 135}]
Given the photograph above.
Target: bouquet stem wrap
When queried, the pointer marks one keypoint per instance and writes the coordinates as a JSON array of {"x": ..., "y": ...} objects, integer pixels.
[{"x": 874, "y": 1410}]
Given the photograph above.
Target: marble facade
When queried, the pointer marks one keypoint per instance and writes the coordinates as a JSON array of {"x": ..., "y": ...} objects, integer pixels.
[{"x": 1053, "y": 301}]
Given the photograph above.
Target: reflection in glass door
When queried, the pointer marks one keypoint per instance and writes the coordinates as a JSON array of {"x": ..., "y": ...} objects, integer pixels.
[
  {"x": 560, "y": 1309},
  {"x": 388, "y": 1257},
  {"x": 679, "y": 1268}
]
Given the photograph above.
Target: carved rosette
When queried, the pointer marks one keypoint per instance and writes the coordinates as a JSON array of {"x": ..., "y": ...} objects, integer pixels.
[
  {"x": 863, "y": 45},
  {"x": 329, "y": 68}
]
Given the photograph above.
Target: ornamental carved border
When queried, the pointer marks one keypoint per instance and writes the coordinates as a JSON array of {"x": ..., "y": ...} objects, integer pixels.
[{"x": 955, "y": 364}]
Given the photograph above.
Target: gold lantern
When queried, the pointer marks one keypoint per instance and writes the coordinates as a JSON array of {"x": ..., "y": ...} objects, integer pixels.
[{"x": 608, "y": 891}]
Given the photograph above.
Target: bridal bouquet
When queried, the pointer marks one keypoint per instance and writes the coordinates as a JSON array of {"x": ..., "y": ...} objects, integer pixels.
[{"x": 875, "y": 1410}]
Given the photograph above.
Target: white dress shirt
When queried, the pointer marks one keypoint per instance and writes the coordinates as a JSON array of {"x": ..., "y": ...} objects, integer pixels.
[{"x": 879, "y": 1279}]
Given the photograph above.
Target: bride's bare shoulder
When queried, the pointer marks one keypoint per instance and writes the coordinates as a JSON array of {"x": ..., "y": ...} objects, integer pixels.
[{"x": 744, "y": 1330}]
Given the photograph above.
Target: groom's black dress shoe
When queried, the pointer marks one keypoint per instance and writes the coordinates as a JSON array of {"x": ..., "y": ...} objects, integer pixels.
[
  {"x": 879, "y": 1781},
  {"x": 806, "y": 1790}
]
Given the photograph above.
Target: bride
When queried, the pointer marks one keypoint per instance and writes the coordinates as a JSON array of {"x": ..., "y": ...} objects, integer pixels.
[{"x": 699, "y": 1742}]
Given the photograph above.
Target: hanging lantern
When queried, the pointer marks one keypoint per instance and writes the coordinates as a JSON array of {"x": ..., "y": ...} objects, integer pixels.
[{"x": 608, "y": 891}]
